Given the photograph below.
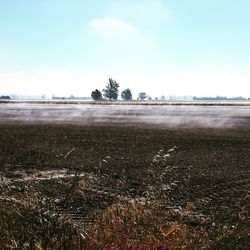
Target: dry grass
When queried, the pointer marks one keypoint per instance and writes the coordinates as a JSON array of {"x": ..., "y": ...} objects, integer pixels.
[
  {"x": 129, "y": 223},
  {"x": 29, "y": 223},
  {"x": 133, "y": 224}
]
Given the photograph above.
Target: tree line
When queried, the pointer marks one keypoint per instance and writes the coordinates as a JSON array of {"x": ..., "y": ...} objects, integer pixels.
[{"x": 111, "y": 92}]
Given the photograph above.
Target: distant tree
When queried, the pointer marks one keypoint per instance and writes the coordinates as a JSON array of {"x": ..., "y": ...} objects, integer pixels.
[
  {"x": 111, "y": 90},
  {"x": 171, "y": 98},
  {"x": 72, "y": 97},
  {"x": 142, "y": 96},
  {"x": 6, "y": 97},
  {"x": 126, "y": 95},
  {"x": 96, "y": 95}
]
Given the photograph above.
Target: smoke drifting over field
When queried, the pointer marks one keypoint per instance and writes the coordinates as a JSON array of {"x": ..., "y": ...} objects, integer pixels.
[{"x": 153, "y": 115}]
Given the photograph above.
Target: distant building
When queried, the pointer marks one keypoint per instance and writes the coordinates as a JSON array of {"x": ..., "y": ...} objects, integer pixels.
[
  {"x": 79, "y": 98},
  {"x": 181, "y": 98},
  {"x": 29, "y": 97},
  {"x": 220, "y": 98},
  {"x": 59, "y": 98},
  {"x": 70, "y": 98}
]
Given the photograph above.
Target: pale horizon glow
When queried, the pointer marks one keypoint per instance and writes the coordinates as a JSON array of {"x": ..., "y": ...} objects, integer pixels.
[{"x": 161, "y": 47}]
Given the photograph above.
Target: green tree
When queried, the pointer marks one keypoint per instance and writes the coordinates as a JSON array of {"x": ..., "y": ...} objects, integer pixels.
[
  {"x": 126, "y": 95},
  {"x": 96, "y": 95},
  {"x": 163, "y": 98},
  {"x": 142, "y": 96},
  {"x": 111, "y": 90}
]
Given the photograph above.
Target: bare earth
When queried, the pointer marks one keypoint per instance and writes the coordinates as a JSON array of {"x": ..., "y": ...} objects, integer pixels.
[{"x": 197, "y": 157}]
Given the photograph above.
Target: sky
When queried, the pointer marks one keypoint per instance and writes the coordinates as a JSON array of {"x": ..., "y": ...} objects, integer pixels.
[{"x": 161, "y": 47}]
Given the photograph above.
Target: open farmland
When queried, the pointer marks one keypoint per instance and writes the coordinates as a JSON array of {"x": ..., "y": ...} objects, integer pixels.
[{"x": 124, "y": 177}]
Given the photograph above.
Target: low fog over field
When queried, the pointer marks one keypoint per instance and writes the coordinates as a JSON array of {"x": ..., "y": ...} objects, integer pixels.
[{"x": 164, "y": 116}]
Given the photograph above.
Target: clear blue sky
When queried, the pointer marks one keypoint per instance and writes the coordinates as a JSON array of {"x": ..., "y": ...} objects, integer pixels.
[{"x": 170, "y": 47}]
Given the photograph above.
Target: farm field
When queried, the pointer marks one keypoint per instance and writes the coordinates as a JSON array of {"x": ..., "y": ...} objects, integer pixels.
[{"x": 84, "y": 177}]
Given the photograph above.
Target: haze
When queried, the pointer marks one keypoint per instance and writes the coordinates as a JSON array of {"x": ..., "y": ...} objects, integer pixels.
[{"x": 163, "y": 116}]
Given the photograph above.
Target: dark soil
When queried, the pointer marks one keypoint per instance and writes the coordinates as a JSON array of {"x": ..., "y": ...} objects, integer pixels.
[{"x": 207, "y": 168}]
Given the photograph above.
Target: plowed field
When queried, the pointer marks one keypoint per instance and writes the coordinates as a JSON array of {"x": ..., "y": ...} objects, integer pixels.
[{"x": 200, "y": 176}]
